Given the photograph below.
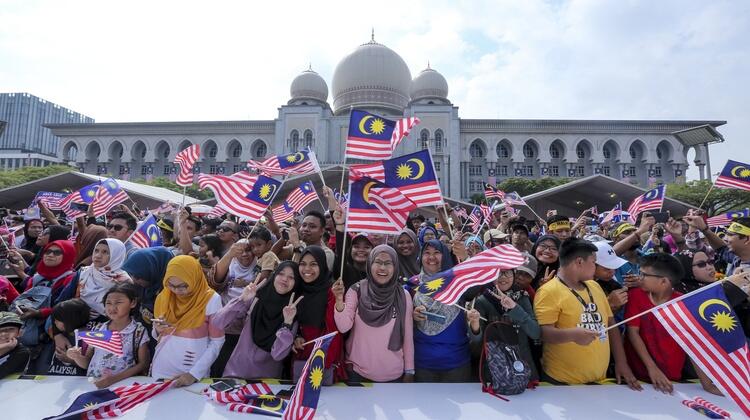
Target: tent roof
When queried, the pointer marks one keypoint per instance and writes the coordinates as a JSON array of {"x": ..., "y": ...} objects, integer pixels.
[{"x": 146, "y": 196}]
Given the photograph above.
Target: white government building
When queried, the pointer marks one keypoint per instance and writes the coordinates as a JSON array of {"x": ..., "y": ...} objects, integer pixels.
[{"x": 466, "y": 152}]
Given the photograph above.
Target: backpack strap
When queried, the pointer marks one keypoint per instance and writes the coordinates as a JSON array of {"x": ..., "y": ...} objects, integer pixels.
[
  {"x": 137, "y": 336},
  {"x": 487, "y": 388}
]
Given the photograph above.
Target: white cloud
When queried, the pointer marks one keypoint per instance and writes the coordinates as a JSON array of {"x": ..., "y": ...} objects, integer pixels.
[{"x": 177, "y": 60}]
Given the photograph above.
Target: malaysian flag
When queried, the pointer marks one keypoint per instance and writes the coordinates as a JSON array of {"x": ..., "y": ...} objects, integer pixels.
[
  {"x": 726, "y": 218},
  {"x": 492, "y": 193},
  {"x": 486, "y": 211},
  {"x": 413, "y": 174},
  {"x": 734, "y": 175},
  {"x": 476, "y": 219},
  {"x": 372, "y": 137},
  {"x": 650, "y": 200},
  {"x": 50, "y": 199},
  {"x": 168, "y": 208},
  {"x": 108, "y": 196},
  {"x": 244, "y": 176},
  {"x": 106, "y": 340},
  {"x": 297, "y": 200},
  {"x": 376, "y": 208},
  {"x": 513, "y": 199},
  {"x": 460, "y": 212},
  {"x": 341, "y": 197},
  {"x": 108, "y": 403},
  {"x": 708, "y": 330},
  {"x": 297, "y": 163},
  {"x": 614, "y": 215},
  {"x": 267, "y": 405},
  {"x": 216, "y": 212},
  {"x": 238, "y": 395},
  {"x": 243, "y": 199},
  {"x": 76, "y": 203},
  {"x": 147, "y": 235},
  {"x": 304, "y": 401},
  {"x": 448, "y": 286},
  {"x": 186, "y": 159}
]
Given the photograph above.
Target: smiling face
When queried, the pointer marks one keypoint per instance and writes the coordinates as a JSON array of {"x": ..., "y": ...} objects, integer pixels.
[
  {"x": 284, "y": 281},
  {"x": 100, "y": 257},
  {"x": 504, "y": 280},
  {"x": 118, "y": 229},
  {"x": 405, "y": 245},
  {"x": 311, "y": 230},
  {"x": 227, "y": 231},
  {"x": 432, "y": 260},
  {"x": 35, "y": 229},
  {"x": 360, "y": 250},
  {"x": 703, "y": 268},
  {"x": 546, "y": 251},
  {"x": 309, "y": 268},
  {"x": 382, "y": 268}
]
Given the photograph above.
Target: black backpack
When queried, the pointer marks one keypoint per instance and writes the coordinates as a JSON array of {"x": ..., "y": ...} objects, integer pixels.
[{"x": 502, "y": 369}]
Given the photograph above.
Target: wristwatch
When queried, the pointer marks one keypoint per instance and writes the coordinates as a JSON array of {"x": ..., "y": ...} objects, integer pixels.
[
  {"x": 287, "y": 326},
  {"x": 299, "y": 249}
]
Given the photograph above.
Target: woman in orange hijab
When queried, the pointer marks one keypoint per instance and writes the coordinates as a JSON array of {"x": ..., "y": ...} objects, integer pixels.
[{"x": 188, "y": 344}]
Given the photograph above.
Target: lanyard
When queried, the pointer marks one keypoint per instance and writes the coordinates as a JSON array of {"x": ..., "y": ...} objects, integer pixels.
[{"x": 580, "y": 299}]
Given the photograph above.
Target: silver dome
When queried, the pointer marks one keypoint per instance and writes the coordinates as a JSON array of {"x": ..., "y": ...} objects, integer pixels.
[
  {"x": 309, "y": 85},
  {"x": 371, "y": 77},
  {"x": 429, "y": 84}
]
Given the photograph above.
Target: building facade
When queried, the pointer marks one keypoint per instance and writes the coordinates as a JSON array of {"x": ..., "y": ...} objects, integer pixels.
[
  {"x": 25, "y": 141},
  {"x": 466, "y": 152}
]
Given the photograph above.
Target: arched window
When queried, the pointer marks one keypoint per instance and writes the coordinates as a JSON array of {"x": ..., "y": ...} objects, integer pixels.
[
  {"x": 212, "y": 150},
  {"x": 580, "y": 152},
  {"x": 528, "y": 151},
  {"x": 439, "y": 140},
  {"x": 72, "y": 153},
  {"x": 424, "y": 139},
  {"x": 261, "y": 150},
  {"x": 308, "y": 139},
  {"x": 502, "y": 151},
  {"x": 659, "y": 153},
  {"x": 475, "y": 150},
  {"x": 607, "y": 153},
  {"x": 554, "y": 152},
  {"x": 633, "y": 152},
  {"x": 165, "y": 152},
  {"x": 294, "y": 140},
  {"x": 237, "y": 151}
]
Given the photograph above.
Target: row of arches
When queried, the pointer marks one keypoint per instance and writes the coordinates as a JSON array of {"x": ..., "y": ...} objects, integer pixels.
[
  {"x": 296, "y": 143},
  {"x": 437, "y": 141},
  {"x": 162, "y": 151},
  {"x": 584, "y": 151}
]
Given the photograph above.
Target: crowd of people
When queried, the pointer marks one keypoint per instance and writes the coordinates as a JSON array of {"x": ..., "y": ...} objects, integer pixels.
[{"x": 224, "y": 298}]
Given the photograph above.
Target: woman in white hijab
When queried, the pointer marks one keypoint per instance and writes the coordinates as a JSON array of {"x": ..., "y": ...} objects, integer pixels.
[{"x": 104, "y": 272}]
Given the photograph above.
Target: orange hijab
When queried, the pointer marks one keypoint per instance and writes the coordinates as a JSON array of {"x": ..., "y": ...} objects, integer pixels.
[{"x": 188, "y": 311}]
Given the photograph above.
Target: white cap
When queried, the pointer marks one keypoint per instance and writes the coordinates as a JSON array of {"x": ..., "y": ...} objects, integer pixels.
[{"x": 606, "y": 257}]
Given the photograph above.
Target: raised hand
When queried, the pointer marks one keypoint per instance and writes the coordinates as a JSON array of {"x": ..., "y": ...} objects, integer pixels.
[
  {"x": 249, "y": 292},
  {"x": 417, "y": 315},
  {"x": 290, "y": 310},
  {"x": 504, "y": 299},
  {"x": 338, "y": 290},
  {"x": 548, "y": 275}
]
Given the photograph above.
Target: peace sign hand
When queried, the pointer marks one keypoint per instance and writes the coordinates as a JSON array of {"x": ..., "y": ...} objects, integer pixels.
[
  {"x": 548, "y": 275},
  {"x": 504, "y": 299},
  {"x": 249, "y": 292},
  {"x": 290, "y": 311}
]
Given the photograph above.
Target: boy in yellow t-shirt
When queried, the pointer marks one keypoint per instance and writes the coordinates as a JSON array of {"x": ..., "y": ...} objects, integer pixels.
[{"x": 573, "y": 311}]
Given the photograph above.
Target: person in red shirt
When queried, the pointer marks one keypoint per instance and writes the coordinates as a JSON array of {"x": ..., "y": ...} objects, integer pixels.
[{"x": 653, "y": 355}]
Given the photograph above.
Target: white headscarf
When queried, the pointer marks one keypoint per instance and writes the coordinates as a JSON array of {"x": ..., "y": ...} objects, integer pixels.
[{"x": 95, "y": 282}]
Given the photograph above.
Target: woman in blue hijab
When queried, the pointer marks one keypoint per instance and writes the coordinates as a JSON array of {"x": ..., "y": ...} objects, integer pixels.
[
  {"x": 427, "y": 233},
  {"x": 147, "y": 268}
]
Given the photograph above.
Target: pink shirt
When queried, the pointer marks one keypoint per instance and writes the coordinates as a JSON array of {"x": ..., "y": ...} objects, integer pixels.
[{"x": 367, "y": 347}]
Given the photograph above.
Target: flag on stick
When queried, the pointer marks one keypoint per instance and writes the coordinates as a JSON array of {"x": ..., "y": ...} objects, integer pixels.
[
  {"x": 304, "y": 401},
  {"x": 147, "y": 235},
  {"x": 76, "y": 203},
  {"x": 186, "y": 159},
  {"x": 245, "y": 200},
  {"x": 734, "y": 175},
  {"x": 372, "y": 137},
  {"x": 376, "y": 208},
  {"x": 650, "y": 200},
  {"x": 298, "y": 163},
  {"x": 108, "y": 403},
  {"x": 106, "y": 340},
  {"x": 726, "y": 218},
  {"x": 108, "y": 196}
]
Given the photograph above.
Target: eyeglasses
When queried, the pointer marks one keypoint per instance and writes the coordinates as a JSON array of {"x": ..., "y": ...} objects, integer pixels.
[
  {"x": 551, "y": 248},
  {"x": 53, "y": 252},
  {"x": 182, "y": 286},
  {"x": 642, "y": 275},
  {"x": 701, "y": 264},
  {"x": 227, "y": 229},
  {"x": 507, "y": 273},
  {"x": 382, "y": 263},
  {"x": 116, "y": 228}
]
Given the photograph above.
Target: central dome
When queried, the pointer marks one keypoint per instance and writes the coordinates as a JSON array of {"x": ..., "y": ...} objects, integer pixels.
[{"x": 373, "y": 77}]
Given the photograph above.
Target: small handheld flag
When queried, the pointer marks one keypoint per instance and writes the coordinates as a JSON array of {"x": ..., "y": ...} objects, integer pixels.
[
  {"x": 108, "y": 196},
  {"x": 650, "y": 200},
  {"x": 734, "y": 175},
  {"x": 148, "y": 234},
  {"x": 76, "y": 203},
  {"x": 298, "y": 163},
  {"x": 108, "y": 403},
  {"x": 375, "y": 207},
  {"x": 372, "y": 137},
  {"x": 106, "y": 340},
  {"x": 186, "y": 159},
  {"x": 304, "y": 401},
  {"x": 726, "y": 218}
]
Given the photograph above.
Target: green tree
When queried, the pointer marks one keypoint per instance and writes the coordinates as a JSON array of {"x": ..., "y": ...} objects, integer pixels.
[
  {"x": 719, "y": 201},
  {"x": 30, "y": 173}
]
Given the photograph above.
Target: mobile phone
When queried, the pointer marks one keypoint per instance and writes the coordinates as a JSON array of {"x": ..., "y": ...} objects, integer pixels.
[
  {"x": 661, "y": 217},
  {"x": 440, "y": 319},
  {"x": 285, "y": 234},
  {"x": 221, "y": 386}
]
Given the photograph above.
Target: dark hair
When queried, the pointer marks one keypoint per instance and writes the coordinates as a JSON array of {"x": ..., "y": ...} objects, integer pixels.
[
  {"x": 128, "y": 218},
  {"x": 196, "y": 221},
  {"x": 128, "y": 289},
  {"x": 573, "y": 248},
  {"x": 213, "y": 243},
  {"x": 318, "y": 215},
  {"x": 665, "y": 265},
  {"x": 73, "y": 313},
  {"x": 214, "y": 222},
  {"x": 557, "y": 218},
  {"x": 261, "y": 233}
]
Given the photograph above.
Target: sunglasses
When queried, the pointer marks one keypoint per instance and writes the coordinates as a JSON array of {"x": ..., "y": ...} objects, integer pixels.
[
  {"x": 53, "y": 252},
  {"x": 227, "y": 229},
  {"x": 701, "y": 264},
  {"x": 116, "y": 228}
]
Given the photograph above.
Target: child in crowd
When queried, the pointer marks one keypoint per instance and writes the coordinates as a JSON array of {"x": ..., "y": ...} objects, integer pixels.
[
  {"x": 104, "y": 367},
  {"x": 652, "y": 353},
  {"x": 67, "y": 316},
  {"x": 261, "y": 242},
  {"x": 13, "y": 355}
]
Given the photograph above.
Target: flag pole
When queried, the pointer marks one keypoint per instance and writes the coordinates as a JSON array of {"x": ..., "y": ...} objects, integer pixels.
[
  {"x": 705, "y": 197},
  {"x": 467, "y": 219},
  {"x": 686, "y": 295},
  {"x": 184, "y": 191}
]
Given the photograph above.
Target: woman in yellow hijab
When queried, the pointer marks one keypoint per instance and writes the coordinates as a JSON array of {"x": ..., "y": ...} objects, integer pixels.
[{"x": 188, "y": 345}]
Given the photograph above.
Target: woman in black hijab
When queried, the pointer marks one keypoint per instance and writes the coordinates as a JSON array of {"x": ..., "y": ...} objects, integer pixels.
[
  {"x": 546, "y": 252},
  {"x": 315, "y": 315}
]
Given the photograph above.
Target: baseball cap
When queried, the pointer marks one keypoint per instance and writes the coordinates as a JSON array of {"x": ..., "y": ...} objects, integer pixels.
[
  {"x": 622, "y": 228},
  {"x": 606, "y": 257},
  {"x": 529, "y": 266},
  {"x": 9, "y": 318}
]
